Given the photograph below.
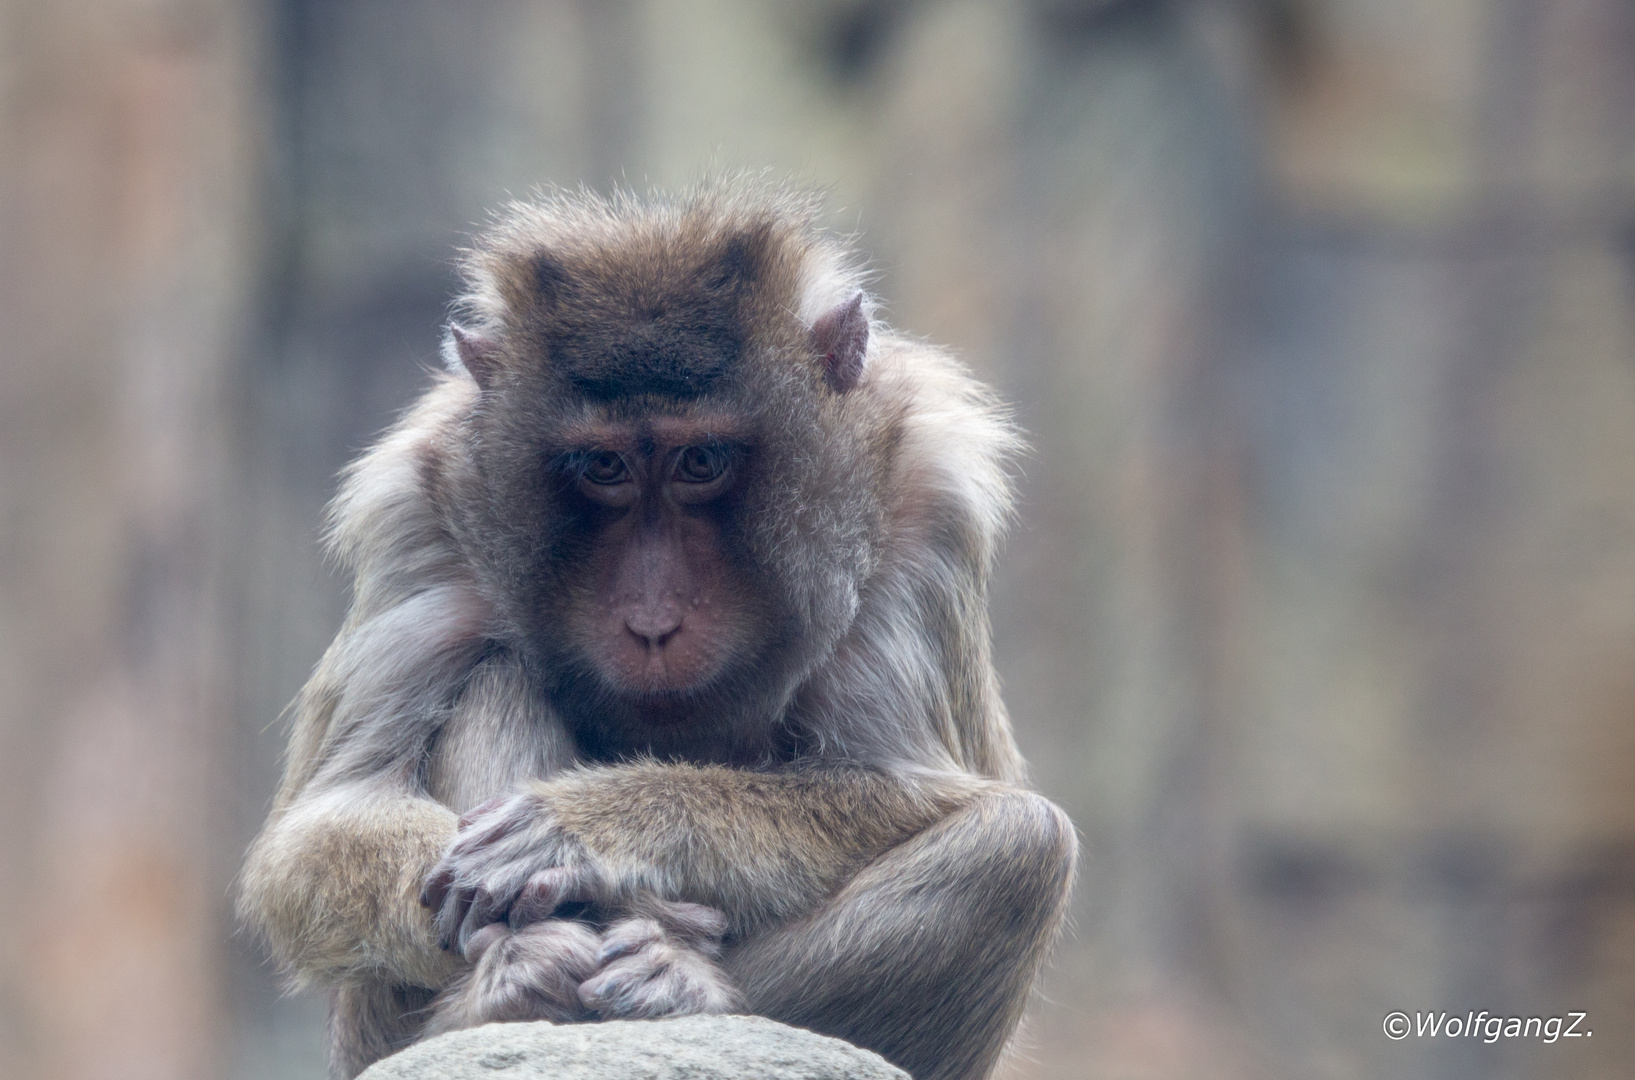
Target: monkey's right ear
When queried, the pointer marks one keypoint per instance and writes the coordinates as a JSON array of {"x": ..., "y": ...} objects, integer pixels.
[{"x": 479, "y": 355}]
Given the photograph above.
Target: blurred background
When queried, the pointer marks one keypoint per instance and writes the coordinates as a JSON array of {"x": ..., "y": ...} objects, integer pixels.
[{"x": 1320, "y": 615}]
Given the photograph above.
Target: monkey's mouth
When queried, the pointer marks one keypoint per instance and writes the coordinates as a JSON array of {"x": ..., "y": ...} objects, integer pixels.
[{"x": 655, "y": 677}]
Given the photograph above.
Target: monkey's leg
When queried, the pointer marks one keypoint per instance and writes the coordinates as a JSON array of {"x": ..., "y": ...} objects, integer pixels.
[
  {"x": 928, "y": 954},
  {"x": 369, "y": 1020}
]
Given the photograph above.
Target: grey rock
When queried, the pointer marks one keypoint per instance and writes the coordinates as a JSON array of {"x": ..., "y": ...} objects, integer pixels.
[{"x": 681, "y": 1048}]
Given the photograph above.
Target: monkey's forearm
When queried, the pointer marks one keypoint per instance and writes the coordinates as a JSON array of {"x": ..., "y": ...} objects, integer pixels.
[
  {"x": 333, "y": 885},
  {"x": 760, "y": 846}
]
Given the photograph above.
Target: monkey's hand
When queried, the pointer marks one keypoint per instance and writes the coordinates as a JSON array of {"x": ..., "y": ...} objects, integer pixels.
[
  {"x": 662, "y": 963},
  {"x": 511, "y": 862},
  {"x": 510, "y": 868}
]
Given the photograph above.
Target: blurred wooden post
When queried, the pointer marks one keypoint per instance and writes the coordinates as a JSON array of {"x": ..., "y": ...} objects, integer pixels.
[{"x": 125, "y": 160}]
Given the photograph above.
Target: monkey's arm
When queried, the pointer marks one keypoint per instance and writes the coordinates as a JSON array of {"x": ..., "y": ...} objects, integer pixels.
[
  {"x": 333, "y": 882},
  {"x": 763, "y": 847}
]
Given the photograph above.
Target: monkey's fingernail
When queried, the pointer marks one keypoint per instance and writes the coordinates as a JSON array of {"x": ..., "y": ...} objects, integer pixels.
[{"x": 590, "y": 994}]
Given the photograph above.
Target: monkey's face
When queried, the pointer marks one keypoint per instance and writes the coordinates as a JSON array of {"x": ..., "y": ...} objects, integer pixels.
[
  {"x": 680, "y": 492},
  {"x": 663, "y": 566},
  {"x": 660, "y": 607}
]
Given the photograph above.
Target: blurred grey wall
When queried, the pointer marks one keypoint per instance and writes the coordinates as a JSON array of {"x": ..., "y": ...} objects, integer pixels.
[{"x": 1320, "y": 613}]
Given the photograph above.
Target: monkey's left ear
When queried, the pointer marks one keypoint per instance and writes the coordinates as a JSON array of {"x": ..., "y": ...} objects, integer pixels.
[
  {"x": 479, "y": 355},
  {"x": 841, "y": 337}
]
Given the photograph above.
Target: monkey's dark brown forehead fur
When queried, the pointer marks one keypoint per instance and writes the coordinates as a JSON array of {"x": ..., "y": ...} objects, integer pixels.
[
  {"x": 669, "y": 323},
  {"x": 622, "y": 297}
]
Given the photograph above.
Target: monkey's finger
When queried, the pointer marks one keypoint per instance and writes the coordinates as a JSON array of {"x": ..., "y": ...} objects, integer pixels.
[
  {"x": 484, "y": 910},
  {"x": 563, "y": 946},
  {"x": 616, "y": 990},
  {"x": 660, "y": 981},
  {"x": 437, "y": 885},
  {"x": 628, "y": 937},
  {"x": 493, "y": 826},
  {"x": 543, "y": 893},
  {"x": 697, "y": 923},
  {"x": 450, "y": 916},
  {"x": 480, "y": 809},
  {"x": 485, "y": 939}
]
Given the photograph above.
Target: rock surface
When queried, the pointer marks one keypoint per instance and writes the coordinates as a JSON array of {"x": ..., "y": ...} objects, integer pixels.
[{"x": 683, "y": 1048}]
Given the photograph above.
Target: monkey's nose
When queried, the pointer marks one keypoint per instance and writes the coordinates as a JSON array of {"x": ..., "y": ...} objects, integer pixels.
[{"x": 654, "y": 625}]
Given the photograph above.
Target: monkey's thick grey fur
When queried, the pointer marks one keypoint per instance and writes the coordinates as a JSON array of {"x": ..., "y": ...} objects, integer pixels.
[{"x": 682, "y": 1048}]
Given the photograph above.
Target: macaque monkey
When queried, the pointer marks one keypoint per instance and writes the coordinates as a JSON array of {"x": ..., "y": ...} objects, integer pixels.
[{"x": 666, "y": 684}]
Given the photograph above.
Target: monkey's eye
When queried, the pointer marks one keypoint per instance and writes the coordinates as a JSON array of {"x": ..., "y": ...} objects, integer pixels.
[
  {"x": 700, "y": 464},
  {"x": 606, "y": 469}
]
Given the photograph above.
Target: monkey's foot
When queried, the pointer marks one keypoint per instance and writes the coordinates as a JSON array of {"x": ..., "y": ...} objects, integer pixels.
[
  {"x": 530, "y": 974},
  {"x": 662, "y": 965}
]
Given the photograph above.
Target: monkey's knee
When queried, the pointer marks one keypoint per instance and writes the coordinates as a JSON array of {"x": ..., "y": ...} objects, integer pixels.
[
  {"x": 1041, "y": 836},
  {"x": 1021, "y": 850}
]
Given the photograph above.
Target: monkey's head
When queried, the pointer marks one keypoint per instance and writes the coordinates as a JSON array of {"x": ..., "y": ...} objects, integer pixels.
[{"x": 674, "y": 462}]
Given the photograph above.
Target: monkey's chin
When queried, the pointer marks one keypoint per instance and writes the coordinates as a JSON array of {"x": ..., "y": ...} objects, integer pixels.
[{"x": 665, "y": 710}]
